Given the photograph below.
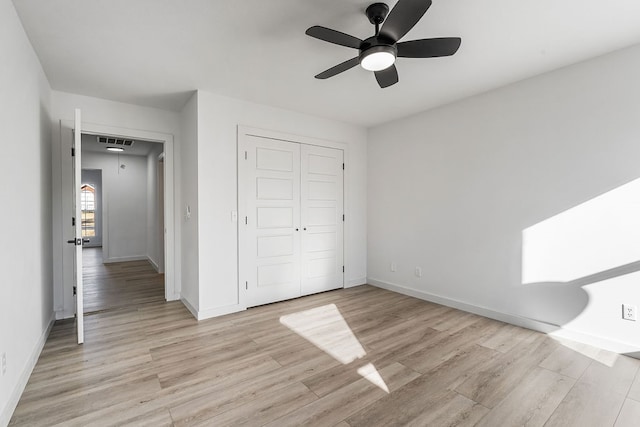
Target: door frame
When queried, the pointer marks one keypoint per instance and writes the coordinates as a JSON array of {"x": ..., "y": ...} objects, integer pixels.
[
  {"x": 244, "y": 131},
  {"x": 171, "y": 287}
]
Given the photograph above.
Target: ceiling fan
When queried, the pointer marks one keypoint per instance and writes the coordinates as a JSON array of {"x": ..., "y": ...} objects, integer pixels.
[{"x": 379, "y": 52}]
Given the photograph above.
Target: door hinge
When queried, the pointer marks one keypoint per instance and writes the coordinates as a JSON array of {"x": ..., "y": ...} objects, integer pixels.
[
  {"x": 74, "y": 290},
  {"x": 343, "y": 268},
  {"x": 73, "y": 221},
  {"x": 245, "y": 155},
  {"x": 343, "y": 166},
  {"x": 73, "y": 152},
  {"x": 246, "y": 220},
  {"x": 246, "y": 285}
]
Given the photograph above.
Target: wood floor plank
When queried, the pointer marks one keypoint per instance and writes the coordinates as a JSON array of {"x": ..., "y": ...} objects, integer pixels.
[
  {"x": 634, "y": 392},
  {"x": 495, "y": 380},
  {"x": 424, "y": 394},
  {"x": 566, "y": 361},
  {"x": 452, "y": 410},
  {"x": 337, "y": 406},
  {"x": 598, "y": 396},
  {"x": 441, "y": 347},
  {"x": 121, "y": 284},
  {"x": 629, "y": 414},
  {"x": 507, "y": 338},
  {"x": 261, "y": 411},
  {"x": 532, "y": 402}
]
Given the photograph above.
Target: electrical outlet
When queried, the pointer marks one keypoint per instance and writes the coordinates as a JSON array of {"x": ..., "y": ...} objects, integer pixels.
[
  {"x": 629, "y": 312},
  {"x": 393, "y": 267},
  {"x": 418, "y": 272},
  {"x": 4, "y": 363}
]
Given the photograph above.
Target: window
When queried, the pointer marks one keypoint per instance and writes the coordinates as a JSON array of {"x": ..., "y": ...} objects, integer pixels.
[{"x": 88, "y": 206}]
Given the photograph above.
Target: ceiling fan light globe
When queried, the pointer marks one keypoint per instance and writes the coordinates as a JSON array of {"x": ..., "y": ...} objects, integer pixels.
[{"x": 377, "y": 61}]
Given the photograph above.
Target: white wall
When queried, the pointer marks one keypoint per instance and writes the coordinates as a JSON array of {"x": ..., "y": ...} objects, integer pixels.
[
  {"x": 218, "y": 118},
  {"x": 107, "y": 113},
  {"x": 455, "y": 189},
  {"x": 190, "y": 294},
  {"x": 154, "y": 250},
  {"x": 25, "y": 220},
  {"x": 124, "y": 194}
]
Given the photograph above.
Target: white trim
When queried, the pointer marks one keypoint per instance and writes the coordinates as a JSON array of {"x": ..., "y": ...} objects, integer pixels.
[
  {"x": 243, "y": 130},
  {"x": 219, "y": 311},
  {"x": 153, "y": 264},
  {"x": 595, "y": 341},
  {"x": 189, "y": 307},
  {"x": 126, "y": 259},
  {"x": 212, "y": 312},
  {"x": 172, "y": 282},
  {"x": 282, "y": 136},
  {"x": 14, "y": 398},
  {"x": 551, "y": 329}
]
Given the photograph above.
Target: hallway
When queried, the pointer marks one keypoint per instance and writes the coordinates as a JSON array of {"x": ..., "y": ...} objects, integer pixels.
[{"x": 118, "y": 285}]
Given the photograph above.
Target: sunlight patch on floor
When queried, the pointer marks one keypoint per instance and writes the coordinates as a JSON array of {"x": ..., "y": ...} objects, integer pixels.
[
  {"x": 325, "y": 328},
  {"x": 371, "y": 374},
  {"x": 604, "y": 357}
]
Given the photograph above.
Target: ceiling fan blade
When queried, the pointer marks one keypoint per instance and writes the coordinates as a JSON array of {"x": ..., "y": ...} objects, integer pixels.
[
  {"x": 429, "y": 48},
  {"x": 402, "y": 18},
  {"x": 346, "y": 65},
  {"x": 387, "y": 77},
  {"x": 333, "y": 36}
]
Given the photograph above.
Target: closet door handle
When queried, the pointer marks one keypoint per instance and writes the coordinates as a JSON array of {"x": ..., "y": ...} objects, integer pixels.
[
  {"x": 305, "y": 229},
  {"x": 297, "y": 229}
]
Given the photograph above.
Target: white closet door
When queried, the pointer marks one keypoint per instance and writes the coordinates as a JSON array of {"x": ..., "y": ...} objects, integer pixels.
[
  {"x": 322, "y": 219},
  {"x": 271, "y": 249}
]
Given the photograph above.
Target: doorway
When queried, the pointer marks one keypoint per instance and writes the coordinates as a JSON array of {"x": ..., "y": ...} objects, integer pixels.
[
  {"x": 122, "y": 253},
  {"x": 64, "y": 213}
]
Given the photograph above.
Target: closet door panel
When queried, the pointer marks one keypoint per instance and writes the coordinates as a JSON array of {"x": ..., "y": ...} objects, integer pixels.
[
  {"x": 270, "y": 244},
  {"x": 322, "y": 223}
]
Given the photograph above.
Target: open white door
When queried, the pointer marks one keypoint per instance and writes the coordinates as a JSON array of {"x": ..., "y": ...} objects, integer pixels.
[{"x": 77, "y": 210}]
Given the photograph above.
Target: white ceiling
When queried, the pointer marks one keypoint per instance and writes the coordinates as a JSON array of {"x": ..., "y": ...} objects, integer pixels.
[{"x": 155, "y": 53}]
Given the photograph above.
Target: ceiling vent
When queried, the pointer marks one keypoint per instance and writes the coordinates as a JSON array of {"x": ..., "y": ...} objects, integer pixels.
[{"x": 115, "y": 141}]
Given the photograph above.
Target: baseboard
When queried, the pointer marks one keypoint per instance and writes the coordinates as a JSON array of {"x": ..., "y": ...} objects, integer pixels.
[
  {"x": 14, "y": 398},
  {"x": 174, "y": 297},
  {"x": 189, "y": 307},
  {"x": 552, "y": 330},
  {"x": 595, "y": 341},
  {"x": 125, "y": 259},
  {"x": 212, "y": 312},
  {"x": 219, "y": 311},
  {"x": 355, "y": 282},
  {"x": 153, "y": 264},
  {"x": 62, "y": 314}
]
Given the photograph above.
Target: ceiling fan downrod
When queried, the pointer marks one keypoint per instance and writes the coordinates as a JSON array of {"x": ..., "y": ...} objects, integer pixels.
[{"x": 377, "y": 13}]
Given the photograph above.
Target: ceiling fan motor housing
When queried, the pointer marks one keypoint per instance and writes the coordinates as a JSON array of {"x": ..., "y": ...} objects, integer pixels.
[
  {"x": 377, "y": 13},
  {"x": 377, "y": 44}
]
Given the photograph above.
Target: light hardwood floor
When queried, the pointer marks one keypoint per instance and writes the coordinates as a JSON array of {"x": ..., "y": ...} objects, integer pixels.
[
  {"x": 354, "y": 357},
  {"x": 120, "y": 284}
]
